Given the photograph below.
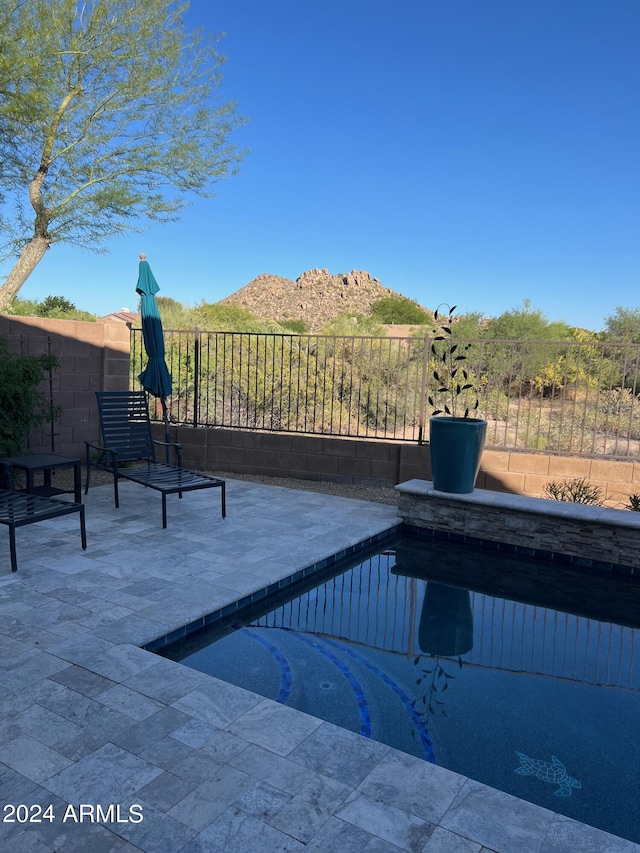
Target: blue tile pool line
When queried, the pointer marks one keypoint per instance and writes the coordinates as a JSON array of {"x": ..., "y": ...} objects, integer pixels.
[
  {"x": 210, "y": 619},
  {"x": 236, "y": 606}
]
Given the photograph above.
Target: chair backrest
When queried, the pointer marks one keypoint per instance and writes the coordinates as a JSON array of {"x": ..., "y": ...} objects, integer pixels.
[{"x": 125, "y": 424}]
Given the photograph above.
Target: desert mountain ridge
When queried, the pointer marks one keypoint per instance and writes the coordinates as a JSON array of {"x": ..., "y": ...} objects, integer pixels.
[{"x": 316, "y": 296}]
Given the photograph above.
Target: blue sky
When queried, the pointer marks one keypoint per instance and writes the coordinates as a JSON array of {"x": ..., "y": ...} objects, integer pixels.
[{"x": 476, "y": 152}]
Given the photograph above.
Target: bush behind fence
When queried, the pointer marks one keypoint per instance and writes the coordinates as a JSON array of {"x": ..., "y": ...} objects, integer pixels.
[{"x": 565, "y": 396}]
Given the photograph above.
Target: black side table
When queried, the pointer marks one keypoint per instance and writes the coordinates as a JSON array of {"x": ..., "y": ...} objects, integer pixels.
[{"x": 46, "y": 463}]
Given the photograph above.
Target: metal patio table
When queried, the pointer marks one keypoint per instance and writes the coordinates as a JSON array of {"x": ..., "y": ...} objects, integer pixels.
[{"x": 45, "y": 463}]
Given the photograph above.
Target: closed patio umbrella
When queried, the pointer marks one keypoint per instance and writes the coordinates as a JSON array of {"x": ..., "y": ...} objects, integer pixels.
[{"x": 155, "y": 378}]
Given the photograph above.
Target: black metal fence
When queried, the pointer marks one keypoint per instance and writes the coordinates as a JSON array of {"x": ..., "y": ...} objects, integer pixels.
[{"x": 564, "y": 396}]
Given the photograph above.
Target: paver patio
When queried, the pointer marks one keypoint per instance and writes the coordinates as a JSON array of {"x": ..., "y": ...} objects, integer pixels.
[{"x": 188, "y": 763}]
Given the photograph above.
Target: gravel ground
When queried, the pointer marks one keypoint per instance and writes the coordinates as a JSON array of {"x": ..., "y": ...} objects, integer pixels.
[{"x": 63, "y": 479}]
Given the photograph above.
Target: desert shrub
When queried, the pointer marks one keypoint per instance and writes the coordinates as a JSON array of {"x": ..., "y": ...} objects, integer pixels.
[
  {"x": 399, "y": 309},
  {"x": 578, "y": 491},
  {"x": 634, "y": 503},
  {"x": 22, "y": 404}
]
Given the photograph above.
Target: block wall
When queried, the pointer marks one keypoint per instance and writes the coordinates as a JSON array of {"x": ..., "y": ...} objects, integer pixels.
[
  {"x": 344, "y": 460},
  {"x": 92, "y": 357}
]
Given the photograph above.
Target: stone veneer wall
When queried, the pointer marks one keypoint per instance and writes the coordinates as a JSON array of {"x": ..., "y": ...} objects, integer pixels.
[
  {"x": 385, "y": 463},
  {"x": 587, "y": 533},
  {"x": 92, "y": 357}
]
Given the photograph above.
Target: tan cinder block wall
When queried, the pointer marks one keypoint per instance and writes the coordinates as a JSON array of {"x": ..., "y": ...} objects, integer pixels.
[
  {"x": 344, "y": 460},
  {"x": 526, "y": 474},
  {"x": 92, "y": 357}
]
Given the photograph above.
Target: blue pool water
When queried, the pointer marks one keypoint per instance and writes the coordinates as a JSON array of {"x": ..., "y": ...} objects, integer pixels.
[{"x": 519, "y": 673}]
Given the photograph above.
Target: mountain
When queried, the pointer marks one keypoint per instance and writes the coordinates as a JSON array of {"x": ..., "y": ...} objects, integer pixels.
[{"x": 316, "y": 296}]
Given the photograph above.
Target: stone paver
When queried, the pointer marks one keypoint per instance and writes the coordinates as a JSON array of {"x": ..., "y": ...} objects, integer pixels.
[{"x": 138, "y": 753}]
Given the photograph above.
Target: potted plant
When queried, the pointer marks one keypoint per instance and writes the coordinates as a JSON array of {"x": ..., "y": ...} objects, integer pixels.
[{"x": 456, "y": 437}]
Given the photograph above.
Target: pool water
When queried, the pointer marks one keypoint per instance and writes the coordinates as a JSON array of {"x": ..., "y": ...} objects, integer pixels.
[{"x": 519, "y": 673}]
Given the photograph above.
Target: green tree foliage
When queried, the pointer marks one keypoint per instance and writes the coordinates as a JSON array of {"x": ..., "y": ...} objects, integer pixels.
[
  {"x": 56, "y": 307},
  {"x": 220, "y": 316},
  {"x": 107, "y": 118},
  {"x": 468, "y": 327},
  {"x": 399, "y": 309},
  {"x": 623, "y": 326},
  {"x": 297, "y": 326},
  {"x": 22, "y": 404},
  {"x": 526, "y": 324}
]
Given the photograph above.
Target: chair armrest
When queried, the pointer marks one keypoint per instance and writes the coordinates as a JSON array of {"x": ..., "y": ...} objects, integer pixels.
[
  {"x": 102, "y": 451},
  {"x": 6, "y": 478},
  {"x": 176, "y": 446}
]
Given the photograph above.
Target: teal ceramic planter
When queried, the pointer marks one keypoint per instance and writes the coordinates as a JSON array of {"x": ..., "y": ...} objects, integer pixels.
[{"x": 456, "y": 446}]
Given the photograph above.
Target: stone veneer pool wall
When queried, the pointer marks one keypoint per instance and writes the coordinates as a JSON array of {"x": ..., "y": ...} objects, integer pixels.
[{"x": 596, "y": 537}]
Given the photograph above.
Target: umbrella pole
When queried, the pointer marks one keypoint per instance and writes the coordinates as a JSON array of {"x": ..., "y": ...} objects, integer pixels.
[{"x": 165, "y": 418}]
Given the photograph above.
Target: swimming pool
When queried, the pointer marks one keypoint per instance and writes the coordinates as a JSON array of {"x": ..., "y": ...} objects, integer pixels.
[{"x": 519, "y": 673}]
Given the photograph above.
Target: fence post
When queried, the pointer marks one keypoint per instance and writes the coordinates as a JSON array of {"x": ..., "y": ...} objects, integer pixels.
[
  {"x": 422, "y": 415},
  {"x": 196, "y": 378}
]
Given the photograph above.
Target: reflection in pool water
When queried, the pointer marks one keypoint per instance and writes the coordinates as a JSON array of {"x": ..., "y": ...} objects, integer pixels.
[{"x": 515, "y": 672}]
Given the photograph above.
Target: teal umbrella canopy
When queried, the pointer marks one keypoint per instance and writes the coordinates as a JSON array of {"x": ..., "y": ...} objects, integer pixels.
[{"x": 155, "y": 378}]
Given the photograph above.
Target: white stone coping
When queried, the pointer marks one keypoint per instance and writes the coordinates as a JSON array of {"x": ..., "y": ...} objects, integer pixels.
[{"x": 565, "y": 510}]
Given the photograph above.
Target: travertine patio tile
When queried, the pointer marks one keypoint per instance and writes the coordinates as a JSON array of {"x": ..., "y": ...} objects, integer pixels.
[
  {"x": 223, "y": 747},
  {"x": 135, "y": 628},
  {"x": 210, "y": 799},
  {"x": 217, "y": 703},
  {"x": 143, "y": 734},
  {"x": 444, "y": 841},
  {"x": 81, "y": 710},
  {"x": 82, "y": 681},
  {"x": 195, "y": 733},
  {"x": 46, "y": 726},
  {"x": 31, "y": 667},
  {"x": 565, "y": 834},
  {"x": 339, "y": 754},
  {"x": 33, "y": 759},
  {"x": 165, "y": 791},
  {"x": 105, "y": 616},
  {"x": 310, "y": 809},
  {"x": 128, "y": 702},
  {"x": 195, "y": 768},
  {"x": 16, "y": 788},
  {"x": 345, "y": 837},
  {"x": 108, "y": 775},
  {"x": 276, "y": 727},
  {"x": 262, "y": 801},
  {"x": 497, "y": 820},
  {"x": 279, "y": 772},
  {"x": 74, "y": 837},
  {"x": 235, "y": 832},
  {"x": 413, "y": 785},
  {"x": 387, "y": 822},
  {"x": 157, "y": 832},
  {"x": 164, "y": 680},
  {"x": 22, "y": 841}
]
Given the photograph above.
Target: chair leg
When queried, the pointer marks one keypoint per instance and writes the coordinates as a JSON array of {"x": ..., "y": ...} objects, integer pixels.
[
  {"x": 116, "y": 496},
  {"x": 223, "y": 500},
  {"x": 164, "y": 510},
  {"x": 83, "y": 529},
  {"x": 86, "y": 485},
  {"x": 12, "y": 548}
]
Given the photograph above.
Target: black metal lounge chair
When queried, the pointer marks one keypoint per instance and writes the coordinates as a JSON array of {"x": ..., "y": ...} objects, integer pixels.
[
  {"x": 128, "y": 451},
  {"x": 19, "y": 508}
]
